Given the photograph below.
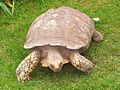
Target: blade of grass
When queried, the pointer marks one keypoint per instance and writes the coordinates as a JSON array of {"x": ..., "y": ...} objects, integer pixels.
[
  {"x": 8, "y": 2},
  {"x": 13, "y": 7},
  {"x": 5, "y": 9}
]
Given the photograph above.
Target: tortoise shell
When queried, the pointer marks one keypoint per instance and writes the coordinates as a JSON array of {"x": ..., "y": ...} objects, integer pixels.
[{"x": 63, "y": 26}]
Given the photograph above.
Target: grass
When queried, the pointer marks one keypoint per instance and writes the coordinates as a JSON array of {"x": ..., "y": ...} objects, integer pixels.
[{"x": 105, "y": 55}]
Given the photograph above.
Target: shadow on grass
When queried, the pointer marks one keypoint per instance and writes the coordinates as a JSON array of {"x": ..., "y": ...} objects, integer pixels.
[{"x": 68, "y": 73}]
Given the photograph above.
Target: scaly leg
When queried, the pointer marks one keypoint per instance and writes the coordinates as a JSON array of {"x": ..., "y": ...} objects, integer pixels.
[
  {"x": 80, "y": 62},
  {"x": 27, "y": 65},
  {"x": 97, "y": 36}
]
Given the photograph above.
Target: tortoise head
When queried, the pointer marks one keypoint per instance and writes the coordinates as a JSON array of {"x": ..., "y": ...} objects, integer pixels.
[{"x": 56, "y": 65}]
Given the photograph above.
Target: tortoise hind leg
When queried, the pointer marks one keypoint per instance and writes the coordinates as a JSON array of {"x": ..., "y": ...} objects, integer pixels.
[
  {"x": 97, "y": 36},
  {"x": 80, "y": 62},
  {"x": 27, "y": 65}
]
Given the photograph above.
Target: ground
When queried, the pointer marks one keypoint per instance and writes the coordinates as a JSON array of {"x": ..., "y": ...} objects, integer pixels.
[{"x": 105, "y": 55}]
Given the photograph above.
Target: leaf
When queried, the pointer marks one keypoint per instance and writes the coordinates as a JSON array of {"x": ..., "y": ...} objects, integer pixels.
[
  {"x": 5, "y": 8},
  {"x": 8, "y": 2}
]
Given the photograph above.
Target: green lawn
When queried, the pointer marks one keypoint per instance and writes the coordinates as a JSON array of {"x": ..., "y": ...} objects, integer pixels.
[{"x": 105, "y": 55}]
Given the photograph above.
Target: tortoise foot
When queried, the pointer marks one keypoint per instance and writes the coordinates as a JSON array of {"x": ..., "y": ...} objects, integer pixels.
[
  {"x": 25, "y": 68},
  {"x": 97, "y": 36},
  {"x": 22, "y": 77},
  {"x": 80, "y": 62}
]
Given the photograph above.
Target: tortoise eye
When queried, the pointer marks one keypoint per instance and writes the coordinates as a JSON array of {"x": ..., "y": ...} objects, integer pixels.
[
  {"x": 52, "y": 66},
  {"x": 60, "y": 64}
]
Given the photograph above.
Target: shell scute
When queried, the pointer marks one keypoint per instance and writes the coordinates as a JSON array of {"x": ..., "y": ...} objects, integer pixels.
[{"x": 61, "y": 27}]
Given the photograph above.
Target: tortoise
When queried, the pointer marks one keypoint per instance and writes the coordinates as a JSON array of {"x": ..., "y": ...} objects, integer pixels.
[{"x": 57, "y": 37}]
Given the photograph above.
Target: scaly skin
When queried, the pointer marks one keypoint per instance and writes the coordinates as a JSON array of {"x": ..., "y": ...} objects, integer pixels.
[
  {"x": 80, "y": 62},
  {"x": 97, "y": 36},
  {"x": 53, "y": 59},
  {"x": 25, "y": 68}
]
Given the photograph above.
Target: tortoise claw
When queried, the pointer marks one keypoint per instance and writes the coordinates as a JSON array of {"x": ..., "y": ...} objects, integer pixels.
[{"x": 23, "y": 79}]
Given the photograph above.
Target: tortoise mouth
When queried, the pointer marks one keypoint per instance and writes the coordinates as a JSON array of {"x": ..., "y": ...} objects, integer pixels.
[{"x": 55, "y": 69}]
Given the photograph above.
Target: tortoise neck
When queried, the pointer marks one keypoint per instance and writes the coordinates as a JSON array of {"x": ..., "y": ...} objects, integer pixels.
[{"x": 54, "y": 54}]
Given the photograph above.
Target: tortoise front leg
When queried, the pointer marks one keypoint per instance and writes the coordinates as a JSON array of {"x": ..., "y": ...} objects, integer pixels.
[
  {"x": 27, "y": 65},
  {"x": 80, "y": 62}
]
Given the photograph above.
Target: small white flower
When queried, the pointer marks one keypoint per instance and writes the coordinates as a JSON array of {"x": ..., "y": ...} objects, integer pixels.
[{"x": 96, "y": 19}]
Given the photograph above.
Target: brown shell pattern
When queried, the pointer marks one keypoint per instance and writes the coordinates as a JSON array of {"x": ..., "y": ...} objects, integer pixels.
[{"x": 61, "y": 27}]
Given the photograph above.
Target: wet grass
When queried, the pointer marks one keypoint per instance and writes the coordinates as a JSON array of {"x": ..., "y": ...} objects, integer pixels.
[{"x": 105, "y": 55}]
